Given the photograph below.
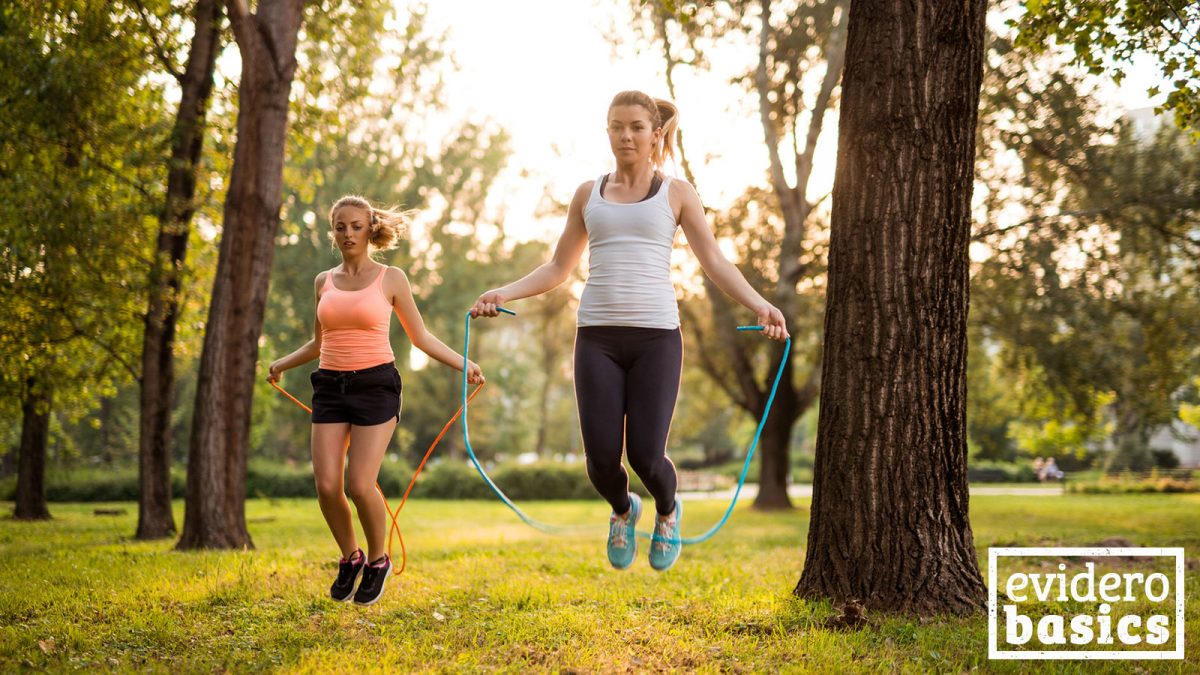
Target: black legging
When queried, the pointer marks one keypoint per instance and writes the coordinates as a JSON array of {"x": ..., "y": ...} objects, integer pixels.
[{"x": 626, "y": 383}]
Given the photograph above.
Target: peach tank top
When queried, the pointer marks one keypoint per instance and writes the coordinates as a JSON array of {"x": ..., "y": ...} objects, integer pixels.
[{"x": 354, "y": 326}]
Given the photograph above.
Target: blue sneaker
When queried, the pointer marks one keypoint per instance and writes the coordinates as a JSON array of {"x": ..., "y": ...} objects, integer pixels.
[
  {"x": 665, "y": 545},
  {"x": 622, "y": 535}
]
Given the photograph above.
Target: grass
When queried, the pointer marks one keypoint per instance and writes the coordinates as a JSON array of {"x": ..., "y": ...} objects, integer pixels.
[{"x": 485, "y": 592}]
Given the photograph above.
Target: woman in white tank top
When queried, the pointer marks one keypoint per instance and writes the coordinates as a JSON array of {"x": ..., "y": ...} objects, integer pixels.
[{"x": 628, "y": 348}]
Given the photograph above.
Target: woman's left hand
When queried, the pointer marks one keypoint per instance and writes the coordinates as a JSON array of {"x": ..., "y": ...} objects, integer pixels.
[
  {"x": 474, "y": 373},
  {"x": 773, "y": 323}
]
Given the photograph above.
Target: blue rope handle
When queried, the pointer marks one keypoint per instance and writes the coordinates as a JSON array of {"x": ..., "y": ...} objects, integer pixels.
[{"x": 556, "y": 529}]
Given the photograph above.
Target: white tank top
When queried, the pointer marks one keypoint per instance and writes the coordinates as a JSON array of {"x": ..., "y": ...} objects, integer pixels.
[{"x": 629, "y": 262}]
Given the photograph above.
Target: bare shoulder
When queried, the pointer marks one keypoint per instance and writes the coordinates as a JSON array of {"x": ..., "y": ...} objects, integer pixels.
[
  {"x": 319, "y": 280},
  {"x": 683, "y": 198},
  {"x": 395, "y": 283},
  {"x": 682, "y": 189},
  {"x": 395, "y": 276}
]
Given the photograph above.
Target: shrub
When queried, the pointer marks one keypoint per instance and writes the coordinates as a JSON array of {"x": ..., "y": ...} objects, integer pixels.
[
  {"x": 1000, "y": 472},
  {"x": 1139, "y": 483}
]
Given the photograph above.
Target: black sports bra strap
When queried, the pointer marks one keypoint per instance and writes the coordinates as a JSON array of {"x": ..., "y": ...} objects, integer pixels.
[{"x": 655, "y": 184}]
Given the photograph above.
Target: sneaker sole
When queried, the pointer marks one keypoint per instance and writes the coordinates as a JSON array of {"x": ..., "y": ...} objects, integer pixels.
[
  {"x": 668, "y": 566},
  {"x": 382, "y": 584}
]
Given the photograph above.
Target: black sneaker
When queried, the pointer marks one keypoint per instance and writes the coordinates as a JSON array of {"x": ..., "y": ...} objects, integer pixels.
[
  {"x": 371, "y": 588},
  {"x": 348, "y": 571}
]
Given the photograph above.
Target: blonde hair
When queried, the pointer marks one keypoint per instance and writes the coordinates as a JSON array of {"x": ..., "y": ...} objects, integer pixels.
[
  {"x": 663, "y": 114},
  {"x": 387, "y": 225}
]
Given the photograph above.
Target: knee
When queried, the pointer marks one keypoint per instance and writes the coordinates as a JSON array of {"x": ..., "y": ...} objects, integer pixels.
[
  {"x": 361, "y": 490},
  {"x": 641, "y": 465},
  {"x": 329, "y": 487},
  {"x": 604, "y": 466},
  {"x": 648, "y": 466}
]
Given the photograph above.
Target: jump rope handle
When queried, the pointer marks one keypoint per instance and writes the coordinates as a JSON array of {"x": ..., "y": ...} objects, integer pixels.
[
  {"x": 498, "y": 309},
  {"x": 749, "y": 328}
]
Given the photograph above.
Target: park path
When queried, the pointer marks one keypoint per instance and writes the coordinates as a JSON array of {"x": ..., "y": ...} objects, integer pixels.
[{"x": 805, "y": 490}]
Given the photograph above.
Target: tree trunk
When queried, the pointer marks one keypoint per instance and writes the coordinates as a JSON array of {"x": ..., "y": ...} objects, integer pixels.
[
  {"x": 889, "y": 514},
  {"x": 775, "y": 445},
  {"x": 31, "y": 458},
  {"x": 214, "y": 515},
  {"x": 8, "y": 464},
  {"x": 155, "y": 519},
  {"x": 104, "y": 440}
]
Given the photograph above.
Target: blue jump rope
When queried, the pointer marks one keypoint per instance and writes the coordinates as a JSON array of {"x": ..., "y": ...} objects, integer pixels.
[{"x": 551, "y": 529}]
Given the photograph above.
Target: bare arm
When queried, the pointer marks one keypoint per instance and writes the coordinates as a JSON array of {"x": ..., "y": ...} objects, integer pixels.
[
  {"x": 550, "y": 274},
  {"x": 724, "y": 274},
  {"x": 400, "y": 291},
  {"x": 309, "y": 350}
]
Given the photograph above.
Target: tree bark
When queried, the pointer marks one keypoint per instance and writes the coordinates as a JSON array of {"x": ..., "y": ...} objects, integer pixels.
[
  {"x": 889, "y": 523},
  {"x": 155, "y": 518},
  {"x": 31, "y": 457},
  {"x": 214, "y": 515}
]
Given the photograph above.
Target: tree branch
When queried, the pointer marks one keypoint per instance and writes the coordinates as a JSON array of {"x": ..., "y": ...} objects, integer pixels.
[
  {"x": 239, "y": 19},
  {"x": 167, "y": 64},
  {"x": 762, "y": 85},
  {"x": 660, "y": 27},
  {"x": 835, "y": 58}
]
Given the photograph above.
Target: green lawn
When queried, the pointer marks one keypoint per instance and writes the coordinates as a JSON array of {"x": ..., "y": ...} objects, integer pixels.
[{"x": 485, "y": 592}]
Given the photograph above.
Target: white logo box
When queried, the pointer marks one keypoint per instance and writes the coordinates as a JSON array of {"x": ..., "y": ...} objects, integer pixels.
[{"x": 994, "y": 554}]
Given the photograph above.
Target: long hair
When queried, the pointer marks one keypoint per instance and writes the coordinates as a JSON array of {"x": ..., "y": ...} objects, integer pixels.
[{"x": 387, "y": 225}]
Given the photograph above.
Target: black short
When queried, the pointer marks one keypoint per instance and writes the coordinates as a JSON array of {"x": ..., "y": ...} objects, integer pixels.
[{"x": 361, "y": 397}]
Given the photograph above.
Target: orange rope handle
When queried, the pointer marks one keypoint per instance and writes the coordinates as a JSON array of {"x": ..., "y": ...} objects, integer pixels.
[{"x": 395, "y": 528}]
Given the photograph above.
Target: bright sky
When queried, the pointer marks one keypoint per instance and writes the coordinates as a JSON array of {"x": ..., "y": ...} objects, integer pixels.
[{"x": 545, "y": 72}]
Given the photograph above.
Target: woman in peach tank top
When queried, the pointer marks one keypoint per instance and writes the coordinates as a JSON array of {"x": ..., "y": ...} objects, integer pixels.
[{"x": 356, "y": 388}]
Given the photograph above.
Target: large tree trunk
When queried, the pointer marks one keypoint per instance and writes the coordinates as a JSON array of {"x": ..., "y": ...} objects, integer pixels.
[
  {"x": 214, "y": 516},
  {"x": 155, "y": 519},
  {"x": 889, "y": 514},
  {"x": 31, "y": 457}
]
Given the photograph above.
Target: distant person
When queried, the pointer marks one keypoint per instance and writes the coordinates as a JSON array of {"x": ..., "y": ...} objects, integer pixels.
[
  {"x": 356, "y": 388},
  {"x": 1038, "y": 465},
  {"x": 628, "y": 347},
  {"x": 1051, "y": 470}
]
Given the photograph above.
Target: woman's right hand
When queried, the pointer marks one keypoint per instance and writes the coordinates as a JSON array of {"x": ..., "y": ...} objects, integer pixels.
[
  {"x": 487, "y": 303},
  {"x": 275, "y": 371}
]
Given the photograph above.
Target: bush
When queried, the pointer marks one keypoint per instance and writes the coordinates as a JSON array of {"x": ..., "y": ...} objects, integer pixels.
[
  {"x": 265, "y": 480},
  {"x": 450, "y": 480},
  {"x": 1000, "y": 472},
  {"x": 94, "y": 485},
  {"x": 544, "y": 480},
  {"x": 1139, "y": 483}
]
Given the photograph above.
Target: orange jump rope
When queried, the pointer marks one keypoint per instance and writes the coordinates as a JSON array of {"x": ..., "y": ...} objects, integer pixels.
[{"x": 394, "y": 529}]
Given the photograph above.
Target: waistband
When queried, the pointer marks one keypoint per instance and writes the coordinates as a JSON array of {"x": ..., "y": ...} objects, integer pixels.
[{"x": 372, "y": 369}]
